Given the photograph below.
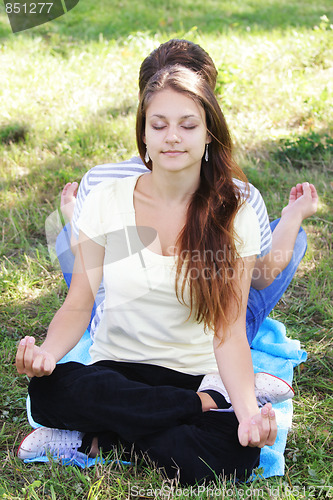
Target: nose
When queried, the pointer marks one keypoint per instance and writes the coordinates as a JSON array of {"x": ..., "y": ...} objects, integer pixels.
[{"x": 172, "y": 136}]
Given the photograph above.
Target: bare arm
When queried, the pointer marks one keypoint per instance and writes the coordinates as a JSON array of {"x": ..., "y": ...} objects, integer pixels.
[
  {"x": 71, "y": 320},
  {"x": 303, "y": 202},
  {"x": 67, "y": 205},
  {"x": 236, "y": 369},
  {"x": 74, "y": 241}
]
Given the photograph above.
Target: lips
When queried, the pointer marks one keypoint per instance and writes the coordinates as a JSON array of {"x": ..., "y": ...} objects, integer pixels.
[{"x": 172, "y": 152}]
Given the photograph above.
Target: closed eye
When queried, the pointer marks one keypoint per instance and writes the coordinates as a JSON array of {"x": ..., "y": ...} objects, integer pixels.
[{"x": 160, "y": 127}]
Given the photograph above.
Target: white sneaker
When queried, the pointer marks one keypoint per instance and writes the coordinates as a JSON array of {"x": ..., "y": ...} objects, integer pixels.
[
  {"x": 57, "y": 442},
  {"x": 267, "y": 388},
  {"x": 271, "y": 389},
  {"x": 213, "y": 382}
]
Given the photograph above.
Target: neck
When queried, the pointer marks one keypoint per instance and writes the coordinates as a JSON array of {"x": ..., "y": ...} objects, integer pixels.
[{"x": 173, "y": 187}]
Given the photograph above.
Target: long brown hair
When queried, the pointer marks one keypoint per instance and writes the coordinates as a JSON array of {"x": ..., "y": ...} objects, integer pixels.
[{"x": 206, "y": 245}]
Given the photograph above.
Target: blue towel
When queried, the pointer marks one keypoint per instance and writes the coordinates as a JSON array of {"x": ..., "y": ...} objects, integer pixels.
[{"x": 272, "y": 352}]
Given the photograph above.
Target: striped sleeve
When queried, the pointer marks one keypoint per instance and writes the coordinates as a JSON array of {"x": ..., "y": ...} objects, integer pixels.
[
  {"x": 97, "y": 174},
  {"x": 255, "y": 200}
]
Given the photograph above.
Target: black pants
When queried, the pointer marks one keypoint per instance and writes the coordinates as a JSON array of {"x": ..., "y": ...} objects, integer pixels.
[{"x": 153, "y": 409}]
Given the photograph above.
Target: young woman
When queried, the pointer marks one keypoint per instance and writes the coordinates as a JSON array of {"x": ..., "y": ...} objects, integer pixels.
[
  {"x": 176, "y": 248},
  {"x": 280, "y": 251}
]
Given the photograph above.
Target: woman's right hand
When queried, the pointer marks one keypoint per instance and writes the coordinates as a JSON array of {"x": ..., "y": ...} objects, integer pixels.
[{"x": 33, "y": 360}]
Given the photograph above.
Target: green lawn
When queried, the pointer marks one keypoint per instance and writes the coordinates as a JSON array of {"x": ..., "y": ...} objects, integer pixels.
[{"x": 68, "y": 95}]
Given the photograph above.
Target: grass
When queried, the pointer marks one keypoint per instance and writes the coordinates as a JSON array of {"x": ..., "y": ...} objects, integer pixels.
[{"x": 68, "y": 92}]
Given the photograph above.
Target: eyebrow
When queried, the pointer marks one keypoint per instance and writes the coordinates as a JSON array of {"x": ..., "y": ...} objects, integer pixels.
[{"x": 182, "y": 117}]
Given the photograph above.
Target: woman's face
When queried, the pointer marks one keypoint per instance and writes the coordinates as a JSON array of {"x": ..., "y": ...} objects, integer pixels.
[{"x": 175, "y": 132}]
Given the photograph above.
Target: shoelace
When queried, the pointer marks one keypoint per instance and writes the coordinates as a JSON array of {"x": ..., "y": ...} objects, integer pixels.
[
  {"x": 63, "y": 452},
  {"x": 67, "y": 449},
  {"x": 262, "y": 400}
]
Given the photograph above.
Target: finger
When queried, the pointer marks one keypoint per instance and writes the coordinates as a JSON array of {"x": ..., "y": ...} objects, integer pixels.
[
  {"x": 254, "y": 440},
  {"x": 244, "y": 438},
  {"x": 19, "y": 361},
  {"x": 314, "y": 193},
  {"x": 293, "y": 194},
  {"x": 265, "y": 422},
  {"x": 306, "y": 188},
  {"x": 299, "y": 190},
  {"x": 29, "y": 353},
  {"x": 273, "y": 428},
  {"x": 25, "y": 354},
  {"x": 48, "y": 365},
  {"x": 268, "y": 406},
  {"x": 38, "y": 365}
]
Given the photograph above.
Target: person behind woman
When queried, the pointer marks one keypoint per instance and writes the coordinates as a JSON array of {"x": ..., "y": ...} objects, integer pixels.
[
  {"x": 175, "y": 308},
  {"x": 280, "y": 253}
]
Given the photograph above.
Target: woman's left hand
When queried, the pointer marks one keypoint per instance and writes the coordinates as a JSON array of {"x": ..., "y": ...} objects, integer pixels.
[{"x": 259, "y": 430}]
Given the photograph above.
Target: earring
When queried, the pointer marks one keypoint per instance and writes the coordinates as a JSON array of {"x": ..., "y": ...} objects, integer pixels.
[
  {"x": 206, "y": 153},
  {"x": 147, "y": 156}
]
